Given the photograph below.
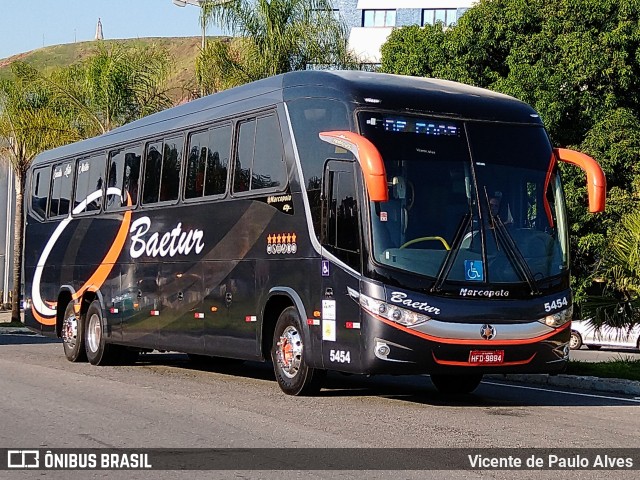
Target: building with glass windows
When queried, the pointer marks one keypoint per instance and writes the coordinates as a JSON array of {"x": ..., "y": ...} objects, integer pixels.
[{"x": 371, "y": 21}]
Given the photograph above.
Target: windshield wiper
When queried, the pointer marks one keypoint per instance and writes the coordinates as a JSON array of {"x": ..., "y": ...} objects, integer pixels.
[
  {"x": 447, "y": 265},
  {"x": 512, "y": 251}
]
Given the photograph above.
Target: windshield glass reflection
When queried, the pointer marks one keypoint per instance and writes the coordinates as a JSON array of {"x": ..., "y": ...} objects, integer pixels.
[{"x": 468, "y": 202}]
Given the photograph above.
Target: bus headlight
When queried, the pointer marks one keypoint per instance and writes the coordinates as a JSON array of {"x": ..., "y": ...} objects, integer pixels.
[
  {"x": 559, "y": 318},
  {"x": 393, "y": 313}
]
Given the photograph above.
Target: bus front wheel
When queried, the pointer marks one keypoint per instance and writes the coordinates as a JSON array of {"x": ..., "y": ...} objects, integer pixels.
[
  {"x": 73, "y": 335},
  {"x": 456, "y": 384},
  {"x": 293, "y": 374}
]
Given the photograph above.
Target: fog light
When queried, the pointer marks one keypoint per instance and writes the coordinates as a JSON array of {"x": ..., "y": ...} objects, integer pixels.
[{"x": 382, "y": 350}]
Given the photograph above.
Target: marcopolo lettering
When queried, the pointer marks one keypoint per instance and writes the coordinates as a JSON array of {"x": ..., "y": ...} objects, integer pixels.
[
  {"x": 170, "y": 243},
  {"x": 277, "y": 199},
  {"x": 469, "y": 292},
  {"x": 403, "y": 299}
]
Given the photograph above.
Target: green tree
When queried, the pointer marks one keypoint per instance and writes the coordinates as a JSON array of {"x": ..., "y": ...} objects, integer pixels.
[
  {"x": 273, "y": 37},
  {"x": 578, "y": 63},
  {"x": 30, "y": 122},
  {"x": 619, "y": 304}
]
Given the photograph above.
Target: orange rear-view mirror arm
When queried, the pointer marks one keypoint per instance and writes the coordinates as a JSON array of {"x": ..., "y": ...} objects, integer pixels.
[
  {"x": 375, "y": 175},
  {"x": 596, "y": 180}
]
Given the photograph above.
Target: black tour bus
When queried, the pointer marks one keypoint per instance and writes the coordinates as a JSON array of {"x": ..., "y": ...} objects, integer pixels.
[{"x": 357, "y": 222}]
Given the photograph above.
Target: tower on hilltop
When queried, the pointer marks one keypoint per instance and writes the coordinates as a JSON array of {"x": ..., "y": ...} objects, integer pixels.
[{"x": 99, "y": 35}]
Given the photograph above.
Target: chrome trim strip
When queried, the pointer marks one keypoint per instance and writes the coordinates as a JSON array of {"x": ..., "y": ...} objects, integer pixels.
[{"x": 471, "y": 331}]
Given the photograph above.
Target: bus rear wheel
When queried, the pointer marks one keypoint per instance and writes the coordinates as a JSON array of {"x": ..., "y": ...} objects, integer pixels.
[
  {"x": 457, "y": 384},
  {"x": 73, "y": 335},
  {"x": 293, "y": 374},
  {"x": 99, "y": 352}
]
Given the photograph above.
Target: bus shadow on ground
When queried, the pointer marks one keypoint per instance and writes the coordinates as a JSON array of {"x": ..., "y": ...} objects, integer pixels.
[
  {"x": 25, "y": 339},
  {"x": 498, "y": 397}
]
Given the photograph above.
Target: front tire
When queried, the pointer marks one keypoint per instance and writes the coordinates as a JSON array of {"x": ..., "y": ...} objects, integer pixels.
[
  {"x": 73, "y": 335},
  {"x": 293, "y": 374},
  {"x": 98, "y": 351},
  {"x": 456, "y": 384}
]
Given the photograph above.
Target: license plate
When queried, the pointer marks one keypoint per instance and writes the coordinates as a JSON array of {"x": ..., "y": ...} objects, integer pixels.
[{"x": 486, "y": 357}]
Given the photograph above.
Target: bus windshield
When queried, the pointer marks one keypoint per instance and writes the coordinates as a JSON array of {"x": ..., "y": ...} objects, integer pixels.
[{"x": 468, "y": 201}]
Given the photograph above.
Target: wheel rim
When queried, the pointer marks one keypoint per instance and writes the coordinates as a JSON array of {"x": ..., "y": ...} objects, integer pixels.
[
  {"x": 573, "y": 342},
  {"x": 70, "y": 330},
  {"x": 289, "y": 352},
  {"x": 94, "y": 333}
]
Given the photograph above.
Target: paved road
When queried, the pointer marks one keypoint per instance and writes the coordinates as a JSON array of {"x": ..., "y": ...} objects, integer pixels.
[{"x": 164, "y": 402}]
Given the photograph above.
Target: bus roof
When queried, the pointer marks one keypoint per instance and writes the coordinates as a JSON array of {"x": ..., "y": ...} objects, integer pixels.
[{"x": 366, "y": 89}]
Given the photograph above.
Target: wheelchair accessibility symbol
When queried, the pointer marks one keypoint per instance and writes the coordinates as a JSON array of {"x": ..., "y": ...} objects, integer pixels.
[{"x": 473, "y": 270}]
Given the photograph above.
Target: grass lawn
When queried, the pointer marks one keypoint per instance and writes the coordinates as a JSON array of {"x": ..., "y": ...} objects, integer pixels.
[{"x": 624, "y": 367}]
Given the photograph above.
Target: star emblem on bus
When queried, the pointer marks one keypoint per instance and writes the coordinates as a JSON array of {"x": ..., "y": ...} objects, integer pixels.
[{"x": 488, "y": 331}]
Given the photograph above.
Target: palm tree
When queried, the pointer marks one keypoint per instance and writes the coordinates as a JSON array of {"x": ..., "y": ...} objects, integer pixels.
[
  {"x": 273, "y": 37},
  {"x": 114, "y": 86},
  {"x": 619, "y": 272},
  {"x": 30, "y": 122}
]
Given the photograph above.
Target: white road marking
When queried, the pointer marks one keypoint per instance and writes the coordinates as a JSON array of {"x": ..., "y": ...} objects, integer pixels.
[{"x": 605, "y": 397}]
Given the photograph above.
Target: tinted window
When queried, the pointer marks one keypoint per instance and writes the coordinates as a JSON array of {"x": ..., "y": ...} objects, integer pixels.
[
  {"x": 162, "y": 170},
  {"x": 217, "y": 160},
  {"x": 207, "y": 163},
  {"x": 89, "y": 183},
  {"x": 342, "y": 226},
  {"x": 61, "y": 189},
  {"x": 40, "y": 191},
  {"x": 198, "y": 151},
  {"x": 152, "y": 171},
  {"x": 268, "y": 163},
  {"x": 244, "y": 158},
  {"x": 171, "y": 166},
  {"x": 260, "y": 157},
  {"x": 309, "y": 117},
  {"x": 123, "y": 174}
]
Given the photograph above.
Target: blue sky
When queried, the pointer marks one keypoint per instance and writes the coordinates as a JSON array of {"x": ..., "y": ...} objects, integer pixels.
[{"x": 29, "y": 24}]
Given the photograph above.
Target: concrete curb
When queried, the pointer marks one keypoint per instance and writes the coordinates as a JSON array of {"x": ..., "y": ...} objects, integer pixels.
[{"x": 609, "y": 385}]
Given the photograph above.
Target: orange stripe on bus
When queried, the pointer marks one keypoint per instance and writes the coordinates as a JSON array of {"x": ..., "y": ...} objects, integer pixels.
[
  {"x": 102, "y": 272},
  {"x": 480, "y": 341},
  {"x": 43, "y": 320}
]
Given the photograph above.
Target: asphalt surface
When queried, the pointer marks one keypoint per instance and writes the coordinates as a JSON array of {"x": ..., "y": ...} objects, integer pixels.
[{"x": 568, "y": 381}]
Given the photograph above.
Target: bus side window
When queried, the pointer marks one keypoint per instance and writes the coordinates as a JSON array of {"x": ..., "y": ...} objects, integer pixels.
[
  {"x": 40, "y": 183},
  {"x": 215, "y": 180},
  {"x": 123, "y": 174},
  {"x": 89, "y": 181},
  {"x": 309, "y": 117},
  {"x": 260, "y": 156},
  {"x": 207, "y": 162},
  {"x": 196, "y": 163},
  {"x": 152, "y": 171},
  {"x": 171, "y": 166},
  {"x": 341, "y": 225},
  {"x": 61, "y": 189}
]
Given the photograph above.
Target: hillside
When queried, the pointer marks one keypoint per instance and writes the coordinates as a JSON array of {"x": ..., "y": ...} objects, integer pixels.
[{"x": 183, "y": 50}]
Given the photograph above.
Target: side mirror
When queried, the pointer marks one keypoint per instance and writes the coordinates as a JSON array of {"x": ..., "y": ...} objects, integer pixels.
[
  {"x": 596, "y": 180},
  {"x": 369, "y": 158}
]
